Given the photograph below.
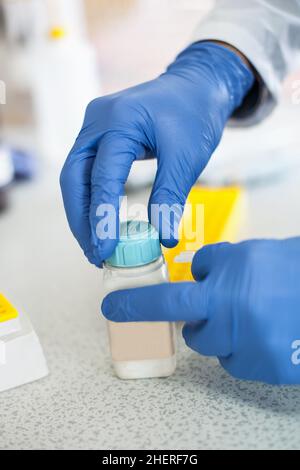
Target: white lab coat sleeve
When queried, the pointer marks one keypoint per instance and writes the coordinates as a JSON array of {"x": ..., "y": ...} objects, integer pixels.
[{"x": 267, "y": 32}]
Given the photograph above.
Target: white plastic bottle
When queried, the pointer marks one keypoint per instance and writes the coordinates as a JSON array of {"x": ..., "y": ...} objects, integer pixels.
[
  {"x": 64, "y": 81},
  {"x": 139, "y": 349}
]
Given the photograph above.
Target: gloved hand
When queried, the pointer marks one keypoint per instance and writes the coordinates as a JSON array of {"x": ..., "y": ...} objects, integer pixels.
[
  {"x": 244, "y": 309},
  {"x": 179, "y": 118}
]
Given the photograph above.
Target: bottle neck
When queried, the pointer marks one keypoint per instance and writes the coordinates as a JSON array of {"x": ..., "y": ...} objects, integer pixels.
[{"x": 134, "y": 270}]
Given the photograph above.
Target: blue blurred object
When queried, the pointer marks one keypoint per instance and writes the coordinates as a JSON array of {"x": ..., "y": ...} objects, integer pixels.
[
  {"x": 244, "y": 309},
  {"x": 179, "y": 118},
  {"x": 15, "y": 164},
  {"x": 24, "y": 163}
]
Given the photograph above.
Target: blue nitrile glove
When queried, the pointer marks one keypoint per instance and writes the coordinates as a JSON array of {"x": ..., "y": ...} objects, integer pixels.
[
  {"x": 179, "y": 118},
  {"x": 244, "y": 309}
]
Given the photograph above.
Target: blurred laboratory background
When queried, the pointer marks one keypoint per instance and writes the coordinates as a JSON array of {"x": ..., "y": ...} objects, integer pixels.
[{"x": 55, "y": 56}]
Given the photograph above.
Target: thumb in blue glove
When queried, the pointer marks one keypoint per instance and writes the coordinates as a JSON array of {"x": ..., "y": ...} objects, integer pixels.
[
  {"x": 178, "y": 118},
  {"x": 244, "y": 308}
]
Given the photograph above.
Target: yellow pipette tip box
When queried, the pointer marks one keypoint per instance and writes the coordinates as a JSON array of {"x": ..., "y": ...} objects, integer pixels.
[
  {"x": 21, "y": 356},
  {"x": 7, "y": 310},
  {"x": 212, "y": 215}
]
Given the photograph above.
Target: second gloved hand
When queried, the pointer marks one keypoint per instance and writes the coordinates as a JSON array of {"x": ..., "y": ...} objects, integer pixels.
[
  {"x": 178, "y": 118},
  {"x": 244, "y": 308}
]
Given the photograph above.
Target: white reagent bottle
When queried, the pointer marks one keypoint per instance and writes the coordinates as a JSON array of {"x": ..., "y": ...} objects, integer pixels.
[{"x": 139, "y": 349}]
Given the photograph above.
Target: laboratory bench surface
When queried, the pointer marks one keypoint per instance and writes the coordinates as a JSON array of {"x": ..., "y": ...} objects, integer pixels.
[{"x": 81, "y": 404}]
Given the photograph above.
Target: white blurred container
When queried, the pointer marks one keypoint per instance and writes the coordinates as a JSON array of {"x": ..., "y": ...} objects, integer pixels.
[
  {"x": 64, "y": 80},
  {"x": 6, "y": 167}
]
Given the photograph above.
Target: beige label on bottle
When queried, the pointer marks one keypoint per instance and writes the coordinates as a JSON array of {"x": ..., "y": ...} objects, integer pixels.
[{"x": 141, "y": 341}]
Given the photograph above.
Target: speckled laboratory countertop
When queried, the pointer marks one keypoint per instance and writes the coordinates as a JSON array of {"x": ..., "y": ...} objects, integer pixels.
[{"x": 81, "y": 405}]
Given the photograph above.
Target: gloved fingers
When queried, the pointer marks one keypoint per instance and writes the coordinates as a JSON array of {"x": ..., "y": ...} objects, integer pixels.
[
  {"x": 185, "y": 301},
  {"x": 75, "y": 186},
  {"x": 212, "y": 337},
  {"x": 111, "y": 168},
  {"x": 233, "y": 366},
  {"x": 205, "y": 259},
  {"x": 174, "y": 179}
]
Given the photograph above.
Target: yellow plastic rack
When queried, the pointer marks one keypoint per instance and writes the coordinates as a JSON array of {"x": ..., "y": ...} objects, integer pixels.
[{"x": 221, "y": 215}]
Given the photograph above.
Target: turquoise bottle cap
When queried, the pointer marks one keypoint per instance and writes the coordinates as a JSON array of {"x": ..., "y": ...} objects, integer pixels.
[{"x": 138, "y": 245}]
